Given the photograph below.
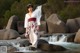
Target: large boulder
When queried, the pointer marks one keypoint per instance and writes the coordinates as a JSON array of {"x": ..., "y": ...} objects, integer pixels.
[
  {"x": 51, "y": 47},
  {"x": 58, "y": 48},
  {"x": 55, "y": 25},
  {"x": 72, "y": 25},
  {"x": 43, "y": 26},
  {"x": 45, "y": 46},
  {"x": 78, "y": 21},
  {"x": 41, "y": 42},
  {"x": 20, "y": 26},
  {"x": 77, "y": 37},
  {"x": 71, "y": 37},
  {"x": 7, "y": 34},
  {"x": 2, "y": 33},
  {"x": 12, "y": 23}
]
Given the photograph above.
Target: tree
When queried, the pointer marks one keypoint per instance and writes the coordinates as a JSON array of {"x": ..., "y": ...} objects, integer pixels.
[
  {"x": 56, "y": 5},
  {"x": 70, "y": 12}
]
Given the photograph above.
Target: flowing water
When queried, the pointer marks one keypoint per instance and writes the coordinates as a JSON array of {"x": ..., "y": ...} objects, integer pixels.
[
  {"x": 57, "y": 40},
  {"x": 62, "y": 41}
]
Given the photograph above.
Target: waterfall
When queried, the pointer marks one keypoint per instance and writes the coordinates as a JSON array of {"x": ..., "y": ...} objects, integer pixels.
[
  {"x": 53, "y": 38},
  {"x": 56, "y": 38},
  {"x": 63, "y": 38}
]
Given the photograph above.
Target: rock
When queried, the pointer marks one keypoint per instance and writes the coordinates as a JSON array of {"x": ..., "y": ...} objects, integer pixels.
[
  {"x": 78, "y": 21},
  {"x": 11, "y": 49},
  {"x": 72, "y": 25},
  {"x": 51, "y": 47},
  {"x": 57, "y": 48},
  {"x": 23, "y": 36},
  {"x": 41, "y": 33},
  {"x": 41, "y": 42},
  {"x": 46, "y": 47},
  {"x": 55, "y": 25},
  {"x": 2, "y": 33},
  {"x": 7, "y": 34},
  {"x": 24, "y": 43},
  {"x": 71, "y": 37},
  {"x": 12, "y": 23},
  {"x": 43, "y": 26},
  {"x": 77, "y": 37},
  {"x": 20, "y": 25}
]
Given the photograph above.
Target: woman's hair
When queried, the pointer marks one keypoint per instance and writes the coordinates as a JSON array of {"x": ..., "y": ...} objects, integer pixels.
[{"x": 29, "y": 5}]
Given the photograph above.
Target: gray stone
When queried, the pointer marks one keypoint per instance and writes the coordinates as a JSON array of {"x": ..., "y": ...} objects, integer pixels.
[
  {"x": 77, "y": 37},
  {"x": 78, "y": 21},
  {"x": 51, "y": 47},
  {"x": 20, "y": 26},
  {"x": 2, "y": 33},
  {"x": 11, "y": 49},
  {"x": 7, "y": 34},
  {"x": 41, "y": 42},
  {"x": 55, "y": 25},
  {"x": 71, "y": 37},
  {"x": 43, "y": 26},
  {"x": 72, "y": 25},
  {"x": 12, "y": 23},
  {"x": 58, "y": 48}
]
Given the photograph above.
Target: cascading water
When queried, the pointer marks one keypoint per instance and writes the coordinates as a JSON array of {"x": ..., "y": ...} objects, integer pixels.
[
  {"x": 62, "y": 41},
  {"x": 53, "y": 38},
  {"x": 63, "y": 38},
  {"x": 56, "y": 38}
]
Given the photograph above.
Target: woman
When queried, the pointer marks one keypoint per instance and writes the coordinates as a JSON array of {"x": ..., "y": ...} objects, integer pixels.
[{"x": 32, "y": 22}]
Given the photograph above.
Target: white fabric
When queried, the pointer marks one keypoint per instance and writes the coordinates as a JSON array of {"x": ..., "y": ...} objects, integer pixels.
[
  {"x": 33, "y": 36},
  {"x": 36, "y": 14}
]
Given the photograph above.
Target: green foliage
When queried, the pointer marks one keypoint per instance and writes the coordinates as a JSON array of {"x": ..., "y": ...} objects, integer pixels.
[
  {"x": 5, "y": 5},
  {"x": 70, "y": 12},
  {"x": 40, "y": 2},
  {"x": 18, "y": 7},
  {"x": 56, "y": 5},
  {"x": 6, "y": 17}
]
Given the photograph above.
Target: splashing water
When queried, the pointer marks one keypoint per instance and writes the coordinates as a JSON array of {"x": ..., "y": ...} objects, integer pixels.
[
  {"x": 55, "y": 38},
  {"x": 63, "y": 38}
]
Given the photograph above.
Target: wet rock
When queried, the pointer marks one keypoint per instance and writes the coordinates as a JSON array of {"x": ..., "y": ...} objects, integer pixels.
[
  {"x": 57, "y": 48},
  {"x": 51, "y": 47},
  {"x": 71, "y": 37},
  {"x": 45, "y": 46},
  {"x": 41, "y": 42},
  {"x": 12, "y": 23},
  {"x": 24, "y": 43},
  {"x": 7, "y": 34},
  {"x": 77, "y": 37},
  {"x": 55, "y": 25},
  {"x": 72, "y": 25},
  {"x": 11, "y": 50}
]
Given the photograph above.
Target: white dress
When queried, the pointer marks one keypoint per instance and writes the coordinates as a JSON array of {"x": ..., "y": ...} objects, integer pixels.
[{"x": 31, "y": 22}]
